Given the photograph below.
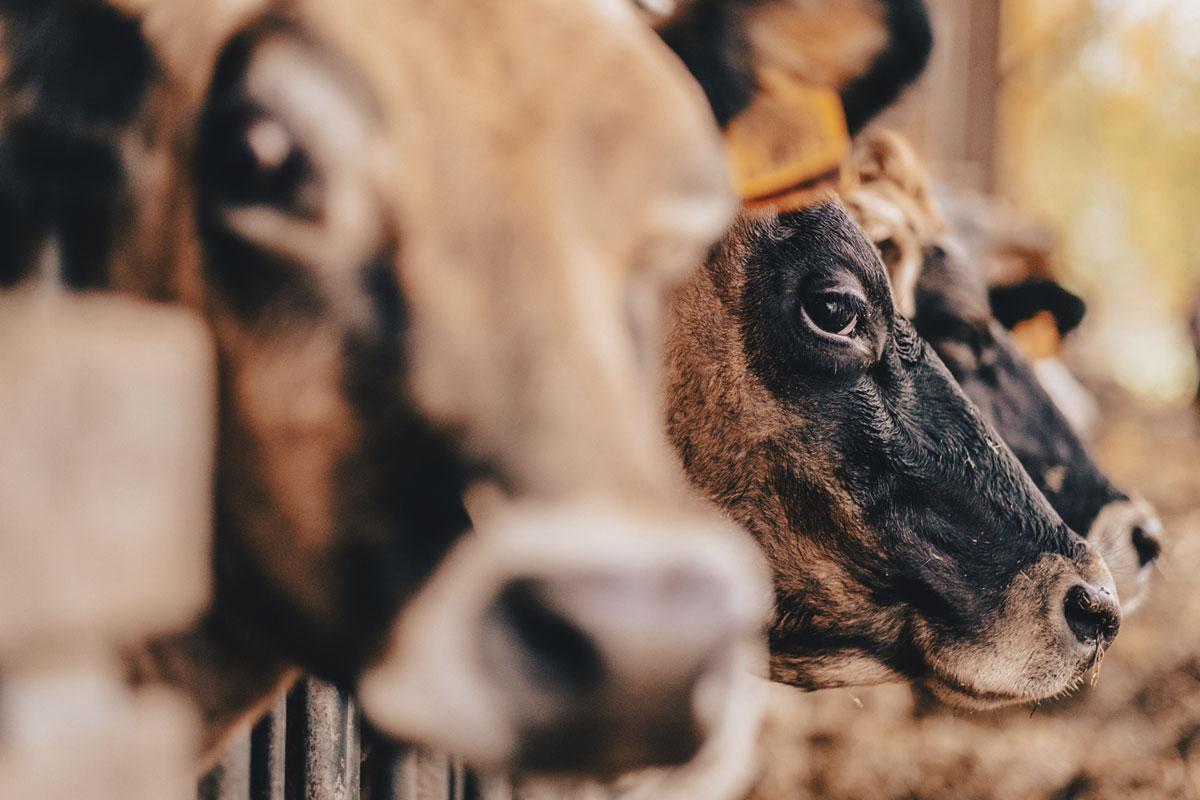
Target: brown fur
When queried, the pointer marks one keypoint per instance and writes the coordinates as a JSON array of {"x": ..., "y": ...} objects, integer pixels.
[
  {"x": 516, "y": 283},
  {"x": 467, "y": 291},
  {"x": 886, "y": 188}
]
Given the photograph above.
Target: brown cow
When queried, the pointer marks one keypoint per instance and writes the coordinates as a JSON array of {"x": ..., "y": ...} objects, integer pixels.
[
  {"x": 431, "y": 241},
  {"x": 379, "y": 209}
]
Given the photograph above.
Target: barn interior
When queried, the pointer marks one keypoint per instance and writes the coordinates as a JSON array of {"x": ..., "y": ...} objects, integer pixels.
[{"x": 1062, "y": 142}]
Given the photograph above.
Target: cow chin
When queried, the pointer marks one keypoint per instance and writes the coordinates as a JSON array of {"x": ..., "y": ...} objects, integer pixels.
[{"x": 1027, "y": 650}]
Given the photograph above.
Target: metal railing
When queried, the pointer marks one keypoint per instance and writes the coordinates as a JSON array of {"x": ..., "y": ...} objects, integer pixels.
[{"x": 311, "y": 746}]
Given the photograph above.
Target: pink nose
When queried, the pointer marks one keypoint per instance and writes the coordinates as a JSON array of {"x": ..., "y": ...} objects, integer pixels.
[
  {"x": 605, "y": 665},
  {"x": 579, "y": 638}
]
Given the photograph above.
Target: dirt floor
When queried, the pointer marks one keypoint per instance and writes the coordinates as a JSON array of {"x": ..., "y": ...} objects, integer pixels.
[{"x": 1136, "y": 734}]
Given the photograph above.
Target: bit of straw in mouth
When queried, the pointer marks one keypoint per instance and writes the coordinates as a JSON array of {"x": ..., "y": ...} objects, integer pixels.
[{"x": 1097, "y": 660}]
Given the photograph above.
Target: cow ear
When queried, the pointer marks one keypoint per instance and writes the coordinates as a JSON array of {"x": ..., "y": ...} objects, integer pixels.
[
  {"x": 1014, "y": 304},
  {"x": 884, "y": 158},
  {"x": 866, "y": 51}
]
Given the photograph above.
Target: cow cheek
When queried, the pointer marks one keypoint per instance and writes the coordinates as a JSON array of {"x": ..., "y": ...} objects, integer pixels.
[{"x": 289, "y": 406}]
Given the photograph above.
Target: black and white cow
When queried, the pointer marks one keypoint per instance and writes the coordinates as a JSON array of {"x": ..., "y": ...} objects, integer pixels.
[{"x": 965, "y": 323}]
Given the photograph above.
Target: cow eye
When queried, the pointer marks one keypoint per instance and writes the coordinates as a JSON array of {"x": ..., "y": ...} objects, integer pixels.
[
  {"x": 254, "y": 159},
  {"x": 832, "y": 313}
]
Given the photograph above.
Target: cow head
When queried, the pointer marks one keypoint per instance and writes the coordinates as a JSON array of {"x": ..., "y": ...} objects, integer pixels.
[
  {"x": 906, "y": 539},
  {"x": 965, "y": 324},
  {"x": 953, "y": 315},
  {"x": 431, "y": 242}
]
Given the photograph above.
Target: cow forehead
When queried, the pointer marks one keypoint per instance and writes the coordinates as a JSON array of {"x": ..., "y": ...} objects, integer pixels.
[{"x": 574, "y": 112}]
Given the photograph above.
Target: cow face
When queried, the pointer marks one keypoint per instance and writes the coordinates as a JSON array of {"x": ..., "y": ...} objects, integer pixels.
[
  {"x": 431, "y": 241},
  {"x": 954, "y": 316},
  {"x": 888, "y": 192},
  {"x": 906, "y": 540}
]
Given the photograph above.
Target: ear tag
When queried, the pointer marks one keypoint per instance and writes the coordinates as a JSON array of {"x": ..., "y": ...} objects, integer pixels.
[
  {"x": 1038, "y": 336},
  {"x": 792, "y": 136}
]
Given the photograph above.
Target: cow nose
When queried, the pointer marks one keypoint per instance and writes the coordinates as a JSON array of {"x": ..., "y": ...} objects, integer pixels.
[
  {"x": 1129, "y": 536},
  {"x": 618, "y": 646},
  {"x": 1092, "y": 613},
  {"x": 620, "y": 652},
  {"x": 553, "y": 648},
  {"x": 1146, "y": 543}
]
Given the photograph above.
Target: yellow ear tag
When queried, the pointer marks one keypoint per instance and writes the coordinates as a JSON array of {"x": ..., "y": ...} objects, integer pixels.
[
  {"x": 790, "y": 136},
  {"x": 1038, "y": 336}
]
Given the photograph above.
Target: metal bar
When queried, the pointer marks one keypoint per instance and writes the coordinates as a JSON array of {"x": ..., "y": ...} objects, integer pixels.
[
  {"x": 395, "y": 774},
  {"x": 268, "y": 764},
  {"x": 457, "y": 780},
  {"x": 487, "y": 787},
  {"x": 230, "y": 778},
  {"x": 322, "y": 746}
]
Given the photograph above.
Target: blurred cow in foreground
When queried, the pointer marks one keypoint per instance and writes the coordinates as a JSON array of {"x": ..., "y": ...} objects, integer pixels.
[
  {"x": 430, "y": 242},
  {"x": 888, "y": 191}
]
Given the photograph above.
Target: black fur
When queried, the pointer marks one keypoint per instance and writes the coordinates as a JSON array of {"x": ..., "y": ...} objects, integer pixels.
[
  {"x": 946, "y": 517},
  {"x": 77, "y": 74},
  {"x": 954, "y": 315},
  {"x": 902, "y": 60},
  {"x": 710, "y": 37},
  {"x": 1019, "y": 302}
]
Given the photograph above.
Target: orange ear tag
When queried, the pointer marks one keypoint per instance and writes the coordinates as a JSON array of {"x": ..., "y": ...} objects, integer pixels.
[
  {"x": 1038, "y": 336},
  {"x": 786, "y": 143}
]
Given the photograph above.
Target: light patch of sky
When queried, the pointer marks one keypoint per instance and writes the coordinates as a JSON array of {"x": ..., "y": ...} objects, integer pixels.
[
  {"x": 1184, "y": 31},
  {"x": 1106, "y": 62},
  {"x": 1182, "y": 17},
  {"x": 1142, "y": 342}
]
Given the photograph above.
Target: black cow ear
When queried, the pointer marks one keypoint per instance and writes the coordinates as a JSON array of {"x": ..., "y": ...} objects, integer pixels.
[
  {"x": 1014, "y": 304},
  {"x": 865, "y": 50}
]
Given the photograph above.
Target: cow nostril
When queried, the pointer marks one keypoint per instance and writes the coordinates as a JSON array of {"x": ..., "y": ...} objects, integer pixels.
[
  {"x": 1145, "y": 545},
  {"x": 555, "y": 651},
  {"x": 1092, "y": 615}
]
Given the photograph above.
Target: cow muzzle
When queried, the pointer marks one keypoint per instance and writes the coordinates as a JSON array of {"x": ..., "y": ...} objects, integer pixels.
[
  {"x": 1058, "y": 618},
  {"x": 1128, "y": 534},
  {"x": 573, "y": 639}
]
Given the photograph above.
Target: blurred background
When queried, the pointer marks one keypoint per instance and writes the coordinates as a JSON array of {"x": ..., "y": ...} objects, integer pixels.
[
  {"x": 1081, "y": 120},
  {"x": 1086, "y": 115}
]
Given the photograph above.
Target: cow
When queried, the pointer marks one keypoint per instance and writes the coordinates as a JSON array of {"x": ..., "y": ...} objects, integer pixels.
[
  {"x": 430, "y": 242},
  {"x": 1017, "y": 254},
  {"x": 905, "y": 538},
  {"x": 889, "y": 193},
  {"x": 442, "y": 478}
]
